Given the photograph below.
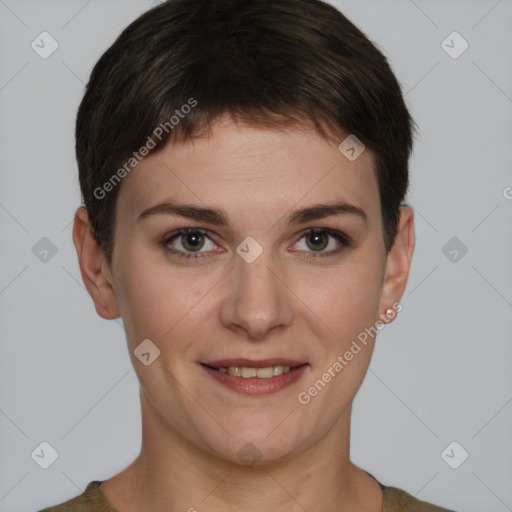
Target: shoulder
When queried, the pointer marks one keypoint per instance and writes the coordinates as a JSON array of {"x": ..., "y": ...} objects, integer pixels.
[
  {"x": 397, "y": 500},
  {"x": 91, "y": 500}
]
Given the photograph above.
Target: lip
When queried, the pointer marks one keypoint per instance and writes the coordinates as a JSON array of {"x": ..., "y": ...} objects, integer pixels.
[
  {"x": 255, "y": 386},
  {"x": 251, "y": 363}
]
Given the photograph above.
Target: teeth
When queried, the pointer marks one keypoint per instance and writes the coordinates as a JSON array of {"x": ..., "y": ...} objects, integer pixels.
[{"x": 261, "y": 373}]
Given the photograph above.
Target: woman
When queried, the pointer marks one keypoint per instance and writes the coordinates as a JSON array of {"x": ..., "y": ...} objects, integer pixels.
[{"x": 243, "y": 166}]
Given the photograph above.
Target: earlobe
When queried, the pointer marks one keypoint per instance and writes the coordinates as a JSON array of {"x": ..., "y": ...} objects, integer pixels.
[
  {"x": 95, "y": 272},
  {"x": 398, "y": 263}
]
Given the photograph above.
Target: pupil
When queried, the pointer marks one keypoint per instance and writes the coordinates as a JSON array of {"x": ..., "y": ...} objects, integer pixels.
[
  {"x": 318, "y": 238},
  {"x": 195, "y": 244}
]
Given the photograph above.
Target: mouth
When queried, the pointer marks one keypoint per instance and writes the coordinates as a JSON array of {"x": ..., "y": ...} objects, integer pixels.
[
  {"x": 247, "y": 369},
  {"x": 256, "y": 377}
]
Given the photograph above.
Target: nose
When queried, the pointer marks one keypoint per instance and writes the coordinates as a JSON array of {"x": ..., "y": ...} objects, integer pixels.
[{"x": 257, "y": 298}]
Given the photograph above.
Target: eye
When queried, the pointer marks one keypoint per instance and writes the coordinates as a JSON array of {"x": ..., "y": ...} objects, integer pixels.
[
  {"x": 192, "y": 240},
  {"x": 318, "y": 240}
]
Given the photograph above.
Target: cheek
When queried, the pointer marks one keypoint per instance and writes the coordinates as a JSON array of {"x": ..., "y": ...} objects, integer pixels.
[
  {"x": 169, "y": 307},
  {"x": 158, "y": 300},
  {"x": 346, "y": 300},
  {"x": 152, "y": 299}
]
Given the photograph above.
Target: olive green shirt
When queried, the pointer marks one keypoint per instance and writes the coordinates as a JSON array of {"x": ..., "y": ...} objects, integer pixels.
[{"x": 93, "y": 500}]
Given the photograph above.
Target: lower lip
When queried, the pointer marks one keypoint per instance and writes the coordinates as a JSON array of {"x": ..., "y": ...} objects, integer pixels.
[{"x": 255, "y": 385}]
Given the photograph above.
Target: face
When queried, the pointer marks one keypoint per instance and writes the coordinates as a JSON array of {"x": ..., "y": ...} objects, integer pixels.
[{"x": 260, "y": 286}]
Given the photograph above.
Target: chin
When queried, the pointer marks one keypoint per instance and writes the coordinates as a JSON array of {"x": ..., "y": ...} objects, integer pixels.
[{"x": 257, "y": 449}]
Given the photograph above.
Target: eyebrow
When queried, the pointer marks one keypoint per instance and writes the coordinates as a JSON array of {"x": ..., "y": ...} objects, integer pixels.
[{"x": 218, "y": 217}]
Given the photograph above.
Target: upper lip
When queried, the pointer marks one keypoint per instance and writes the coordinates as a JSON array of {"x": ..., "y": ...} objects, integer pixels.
[{"x": 251, "y": 363}]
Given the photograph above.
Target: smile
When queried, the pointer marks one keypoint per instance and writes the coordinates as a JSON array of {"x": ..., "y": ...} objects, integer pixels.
[
  {"x": 256, "y": 381},
  {"x": 261, "y": 373}
]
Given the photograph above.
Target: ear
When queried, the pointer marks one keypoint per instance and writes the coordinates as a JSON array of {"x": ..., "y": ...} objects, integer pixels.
[
  {"x": 95, "y": 272},
  {"x": 397, "y": 265}
]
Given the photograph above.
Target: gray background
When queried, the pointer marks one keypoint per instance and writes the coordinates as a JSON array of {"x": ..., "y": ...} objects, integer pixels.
[{"x": 440, "y": 373}]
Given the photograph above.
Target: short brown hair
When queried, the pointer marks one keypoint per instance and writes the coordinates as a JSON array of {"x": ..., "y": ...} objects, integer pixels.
[{"x": 262, "y": 61}]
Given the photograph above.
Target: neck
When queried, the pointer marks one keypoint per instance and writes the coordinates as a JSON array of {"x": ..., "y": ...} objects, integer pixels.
[{"x": 171, "y": 474}]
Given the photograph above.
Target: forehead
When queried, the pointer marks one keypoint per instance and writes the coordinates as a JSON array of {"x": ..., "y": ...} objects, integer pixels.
[{"x": 245, "y": 169}]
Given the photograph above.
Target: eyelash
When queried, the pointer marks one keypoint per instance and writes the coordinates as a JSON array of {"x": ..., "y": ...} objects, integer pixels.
[{"x": 343, "y": 239}]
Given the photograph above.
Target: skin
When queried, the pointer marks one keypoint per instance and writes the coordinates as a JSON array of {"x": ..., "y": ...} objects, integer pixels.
[{"x": 280, "y": 305}]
